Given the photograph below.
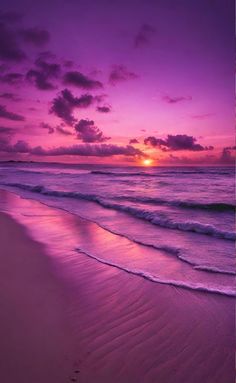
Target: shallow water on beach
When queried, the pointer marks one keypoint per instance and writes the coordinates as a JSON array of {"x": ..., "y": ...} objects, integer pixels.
[{"x": 169, "y": 225}]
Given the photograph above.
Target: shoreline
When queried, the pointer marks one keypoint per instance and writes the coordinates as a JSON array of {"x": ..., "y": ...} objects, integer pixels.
[{"x": 110, "y": 325}]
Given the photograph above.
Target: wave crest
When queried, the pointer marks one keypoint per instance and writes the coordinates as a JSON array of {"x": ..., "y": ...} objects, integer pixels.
[{"x": 191, "y": 226}]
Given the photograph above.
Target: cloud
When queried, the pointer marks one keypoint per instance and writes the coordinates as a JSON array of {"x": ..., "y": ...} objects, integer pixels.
[
  {"x": 46, "y": 55},
  {"x": 202, "y": 116},
  {"x": 97, "y": 150},
  {"x": 10, "y": 96},
  {"x": 120, "y": 73},
  {"x": 43, "y": 74},
  {"x": 175, "y": 100},
  {"x": 79, "y": 80},
  {"x": 49, "y": 128},
  {"x": 177, "y": 142},
  {"x": 4, "y": 113},
  {"x": 5, "y": 135},
  {"x": 35, "y": 36},
  {"x": 4, "y": 130},
  {"x": 9, "y": 47},
  {"x": 12, "y": 78},
  {"x": 58, "y": 129},
  {"x": 226, "y": 155},
  {"x": 63, "y": 131},
  {"x": 88, "y": 132},
  {"x": 133, "y": 141},
  {"x": 144, "y": 35},
  {"x": 104, "y": 109},
  {"x": 64, "y": 105},
  {"x": 39, "y": 79}
]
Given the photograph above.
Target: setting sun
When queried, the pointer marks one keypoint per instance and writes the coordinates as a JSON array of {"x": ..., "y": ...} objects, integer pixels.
[{"x": 147, "y": 162}]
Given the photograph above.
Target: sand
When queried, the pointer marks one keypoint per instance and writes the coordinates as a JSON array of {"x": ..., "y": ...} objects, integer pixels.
[
  {"x": 66, "y": 317},
  {"x": 35, "y": 339}
]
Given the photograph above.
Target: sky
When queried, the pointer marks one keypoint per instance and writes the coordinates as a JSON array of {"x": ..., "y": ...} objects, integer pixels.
[{"x": 117, "y": 82}]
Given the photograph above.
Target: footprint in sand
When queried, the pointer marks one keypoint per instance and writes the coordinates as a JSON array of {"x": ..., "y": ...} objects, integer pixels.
[{"x": 76, "y": 371}]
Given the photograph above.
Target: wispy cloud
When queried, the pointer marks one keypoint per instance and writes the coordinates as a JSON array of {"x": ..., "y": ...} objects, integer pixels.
[
  {"x": 144, "y": 35},
  {"x": 175, "y": 100},
  {"x": 120, "y": 73},
  {"x": 4, "y": 113}
]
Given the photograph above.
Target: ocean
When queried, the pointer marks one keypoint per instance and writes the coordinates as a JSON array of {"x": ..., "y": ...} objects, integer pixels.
[{"x": 181, "y": 219}]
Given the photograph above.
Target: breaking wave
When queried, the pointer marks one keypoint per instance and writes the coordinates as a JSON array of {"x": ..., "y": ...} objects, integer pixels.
[{"x": 152, "y": 217}]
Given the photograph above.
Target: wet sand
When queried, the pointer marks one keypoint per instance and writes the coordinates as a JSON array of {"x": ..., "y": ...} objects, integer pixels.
[
  {"x": 35, "y": 338},
  {"x": 66, "y": 317}
]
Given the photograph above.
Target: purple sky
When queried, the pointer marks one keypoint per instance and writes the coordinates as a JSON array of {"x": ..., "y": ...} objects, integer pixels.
[{"x": 117, "y": 81}]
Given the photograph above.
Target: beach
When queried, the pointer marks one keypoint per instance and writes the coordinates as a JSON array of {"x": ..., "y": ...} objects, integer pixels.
[{"x": 68, "y": 317}]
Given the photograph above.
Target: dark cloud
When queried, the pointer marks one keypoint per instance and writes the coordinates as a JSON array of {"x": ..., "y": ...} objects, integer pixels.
[
  {"x": 39, "y": 79},
  {"x": 175, "y": 100},
  {"x": 144, "y": 35},
  {"x": 64, "y": 105},
  {"x": 52, "y": 69},
  {"x": 226, "y": 156},
  {"x": 35, "y": 36},
  {"x": 60, "y": 129},
  {"x": 63, "y": 131},
  {"x": 5, "y": 135},
  {"x": 12, "y": 78},
  {"x": 177, "y": 142},
  {"x": 4, "y": 130},
  {"x": 88, "y": 132},
  {"x": 104, "y": 109},
  {"x": 9, "y": 96},
  {"x": 4, "y": 113},
  {"x": 43, "y": 74},
  {"x": 120, "y": 73},
  {"x": 49, "y": 128},
  {"x": 97, "y": 150},
  {"x": 79, "y": 80},
  {"x": 133, "y": 141},
  {"x": 9, "y": 47},
  {"x": 46, "y": 55},
  {"x": 101, "y": 97}
]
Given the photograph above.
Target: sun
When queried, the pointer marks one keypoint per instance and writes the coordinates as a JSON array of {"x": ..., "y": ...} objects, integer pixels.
[{"x": 147, "y": 162}]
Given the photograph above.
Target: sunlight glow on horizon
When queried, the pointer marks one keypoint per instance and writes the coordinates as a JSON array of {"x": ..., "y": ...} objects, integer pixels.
[{"x": 147, "y": 162}]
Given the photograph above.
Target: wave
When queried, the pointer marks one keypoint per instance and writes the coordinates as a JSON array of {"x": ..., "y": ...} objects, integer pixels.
[
  {"x": 48, "y": 172},
  {"x": 176, "y": 252},
  {"x": 214, "y": 269},
  {"x": 146, "y": 275},
  {"x": 162, "y": 174},
  {"x": 123, "y": 174},
  {"x": 190, "y": 226},
  {"x": 217, "y": 206}
]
